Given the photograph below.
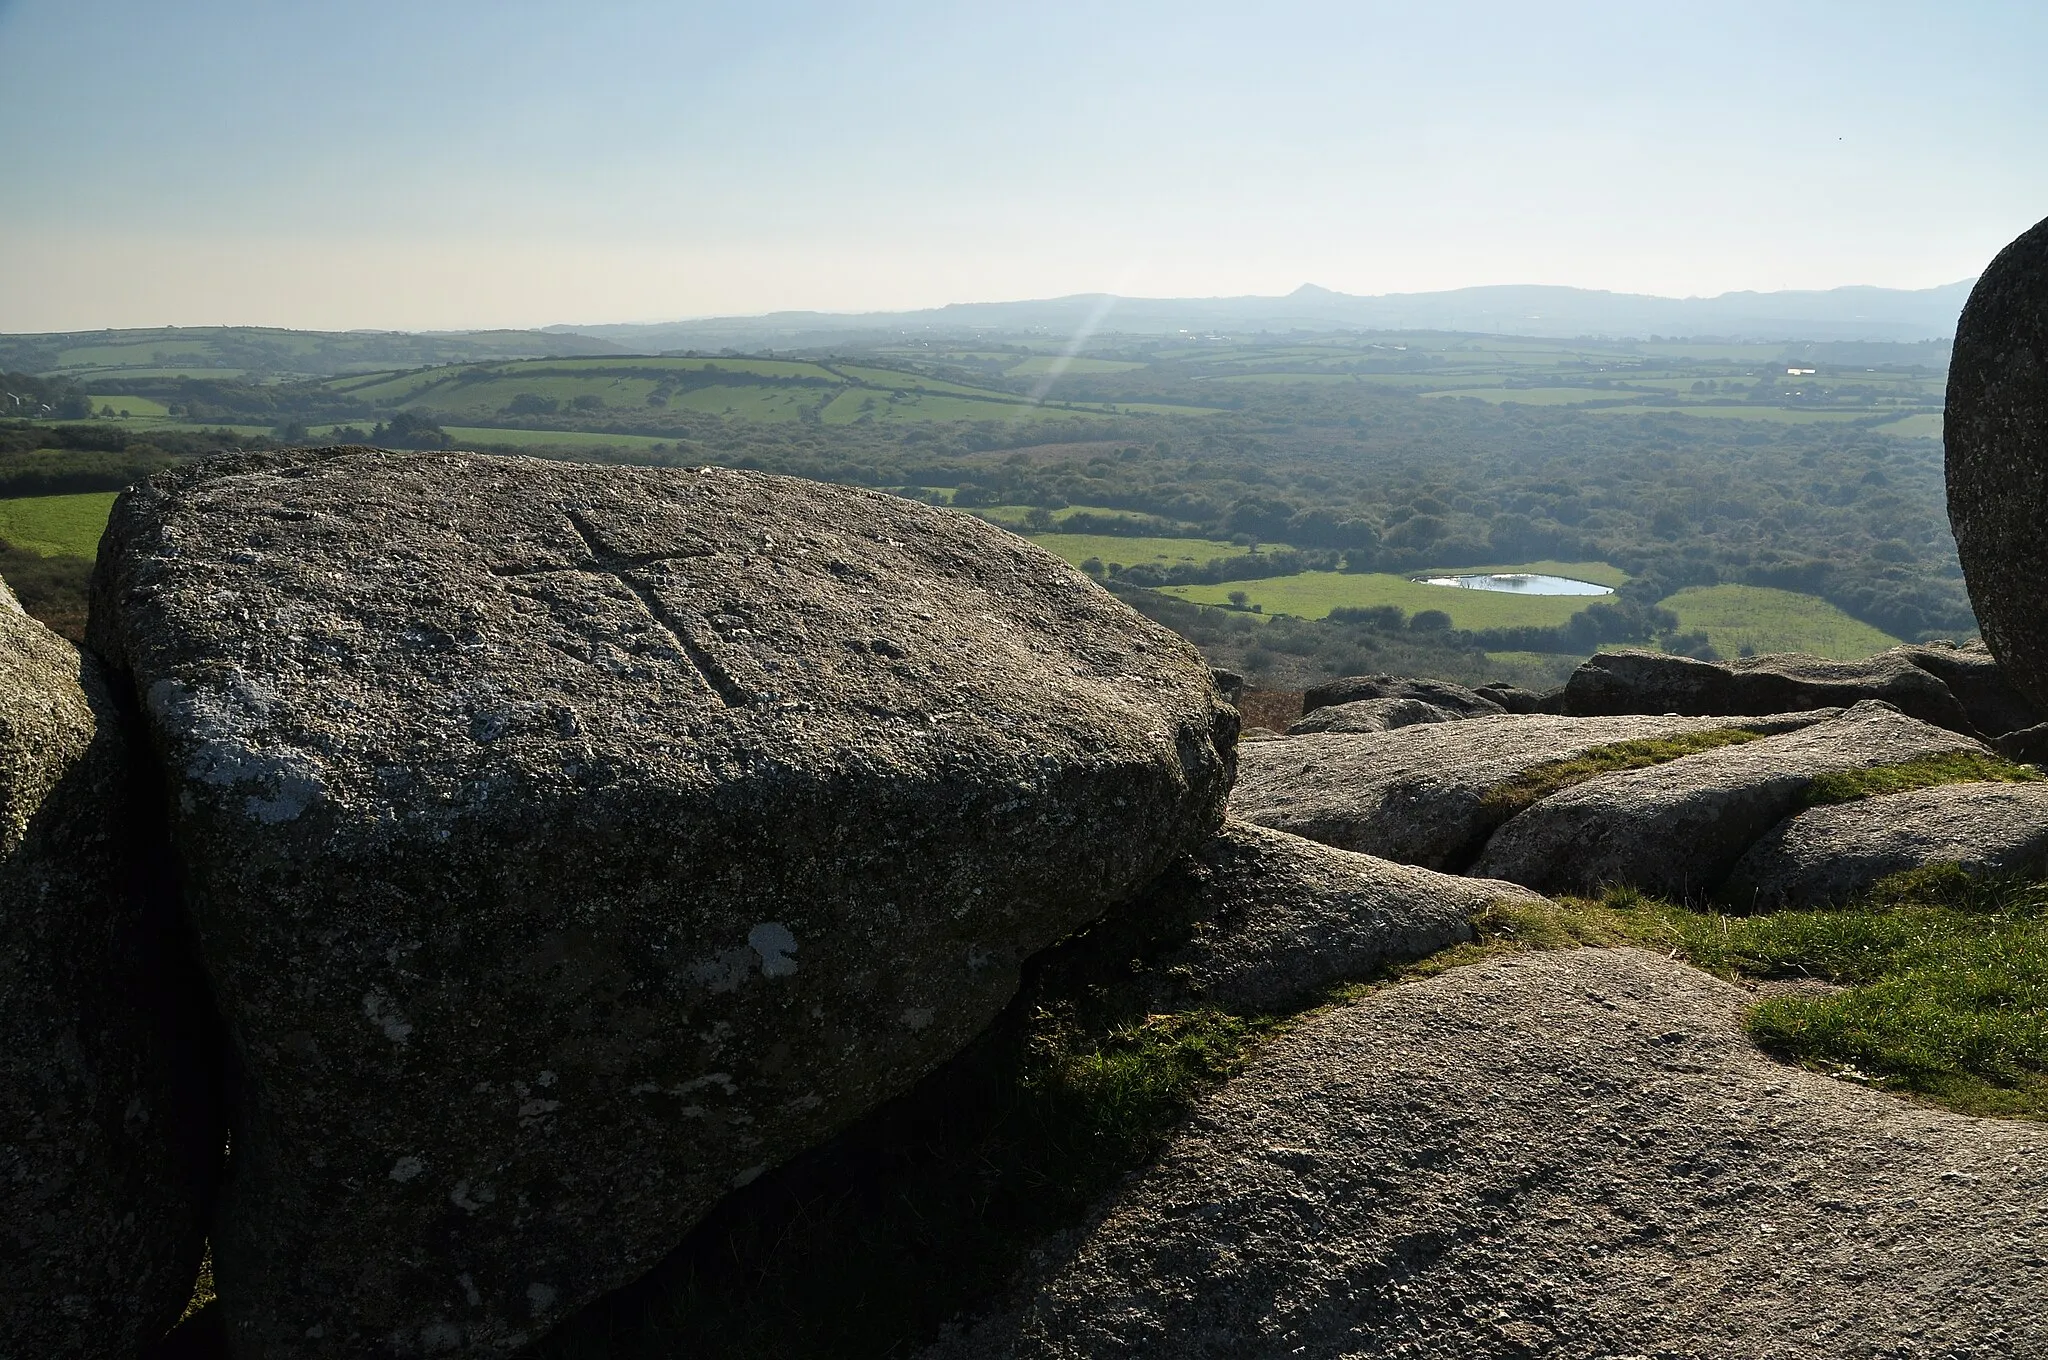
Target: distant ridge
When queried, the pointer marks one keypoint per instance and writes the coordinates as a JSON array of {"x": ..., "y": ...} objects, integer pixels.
[{"x": 1853, "y": 313}]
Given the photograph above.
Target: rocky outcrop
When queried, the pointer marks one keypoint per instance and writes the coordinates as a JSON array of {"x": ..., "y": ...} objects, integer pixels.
[
  {"x": 1993, "y": 707},
  {"x": 1420, "y": 794},
  {"x": 1658, "y": 682},
  {"x": 1829, "y": 854},
  {"x": 1441, "y": 694},
  {"x": 568, "y": 844},
  {"x": 1257, "y": 921},
  {"x": 1371, "y": 715},
  {"x": 102, "y": 1156},
  {"x": 1996, "y": 436},
  {"x": 1569, "y": 1154},
  {"x": 1678, "y": 828},
  {"x": 1512, "y": 698}
]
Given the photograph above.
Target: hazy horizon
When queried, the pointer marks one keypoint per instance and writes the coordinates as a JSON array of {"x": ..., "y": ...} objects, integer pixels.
[{"x": 465, "y": 166}]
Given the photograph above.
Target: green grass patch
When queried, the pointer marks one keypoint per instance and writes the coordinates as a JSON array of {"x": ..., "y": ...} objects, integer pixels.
[
  {"x": 56, "y": 526},
  {"x": 1313, "y": 594},
  {"x": 1921, "y": 772},
  {"x": 1538, "y": 782},
  {"x": 1944, "y": 978},
  {"x": 1768, "y": 620},
  {"x": 125, "y": 407}
]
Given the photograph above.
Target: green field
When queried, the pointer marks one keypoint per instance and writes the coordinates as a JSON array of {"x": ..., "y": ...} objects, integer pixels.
[
  {"x": 1914, "y": 427},
  {"x": 466, "y": 436},
  {"x": 1046, "y": 363},
  {"x": 1165, "y": 552},
  {"x": 130, "y": 406},
  {"x": 1313, "y": 594},
  {"x": 56, "y": 526},
  {"x": 1770, "y": 620}
]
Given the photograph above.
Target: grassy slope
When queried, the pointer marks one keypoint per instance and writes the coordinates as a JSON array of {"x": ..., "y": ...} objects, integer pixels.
[
  {"x": 1774, "y": 621},
  {"x": 56, "y": 526}
]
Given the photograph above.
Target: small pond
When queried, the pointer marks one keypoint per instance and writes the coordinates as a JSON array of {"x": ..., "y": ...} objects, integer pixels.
[{"x": 1520, "y": 583}]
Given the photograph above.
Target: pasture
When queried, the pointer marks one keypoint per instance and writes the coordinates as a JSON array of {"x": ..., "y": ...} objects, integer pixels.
[
  {"x": 56, "y": 526},
  {"x": 1769, "y": 620},
  {"x": 125, "y": 408}
]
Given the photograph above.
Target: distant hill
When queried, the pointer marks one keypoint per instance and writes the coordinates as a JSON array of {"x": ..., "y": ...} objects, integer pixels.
[{"x": 1836, "y": 314}]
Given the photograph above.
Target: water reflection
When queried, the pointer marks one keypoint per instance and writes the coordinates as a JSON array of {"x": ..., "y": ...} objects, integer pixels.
[{"x": 1520, "y": 583}]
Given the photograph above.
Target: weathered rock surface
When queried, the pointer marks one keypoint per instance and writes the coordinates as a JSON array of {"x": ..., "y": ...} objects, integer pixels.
[
  {"x": 1973, "y": 675},
  {"x": 1827, "y": 854},
  {"x": 1255, "y": 921},
  {"x": 2029, "y": 745},
  {"x": 1570, "y": 1154},
  {"x": 567, "y": 844},
  {"x": 1658, "y": 682},
  {"x": 1371, "y": 715},
  {"x": 1512, "y": 698},
  {"x": 1417, "y": 794},
  {"x": 1679, "y": 828},
  {"x": 1996, "y": 436},
  {"x": 102, "y": 1212},
  {"x": 1452, "y": 698}
]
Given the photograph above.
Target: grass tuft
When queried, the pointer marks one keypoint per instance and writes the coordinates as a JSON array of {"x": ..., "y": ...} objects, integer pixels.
[
  {"x": 1943, "y": 977},
  {"x": 1538, "y": 782},
  {"x": 1921, "y": 772}
]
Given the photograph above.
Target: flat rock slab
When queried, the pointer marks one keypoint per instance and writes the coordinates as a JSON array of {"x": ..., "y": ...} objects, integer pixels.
[
  {"x": 1371, "y": 715},
  {"x": 1257, "y": 921},
  {"x": 567, "y": 844},
  {"x": 102, "y": 1208},
  {"x": 1417, "y": 794},
  {"x": 1635, "y": 681},
  {"x": 1829, "y": 854},
  {"x": 1679, "y": 828},
  {"x": 1570, "y": 1154}
]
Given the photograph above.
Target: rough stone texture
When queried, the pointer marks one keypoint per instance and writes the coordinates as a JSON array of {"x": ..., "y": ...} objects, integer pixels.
[
  {"x": 1441, "y": 693},
  {"x": 2029, "y": 745},
  {"x": 1512, "y": 698},
  {"x": 1255, "y": 921},
  {"x": 101, "y": 1184},
  {"x": 1658, "y": 682},
  {"x": 1996, "y": 436},
  {"x": 1371, "y": 715},
  {"x": 1678, "y": 828},
  {"x": 1973, "y": 675},
  {"x": 566, "y": 844},
  {"x": 1570, "y": 1154},
  {"x": 1827, "y": 854},
  {"x": 1416, "y": 794}
]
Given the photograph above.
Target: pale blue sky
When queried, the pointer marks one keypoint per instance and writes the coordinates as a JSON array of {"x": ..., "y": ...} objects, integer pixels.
[{"x": 444, "y": 163}]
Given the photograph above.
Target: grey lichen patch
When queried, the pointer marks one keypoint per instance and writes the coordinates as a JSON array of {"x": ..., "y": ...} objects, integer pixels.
[{"x": 774, "y": 943}]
